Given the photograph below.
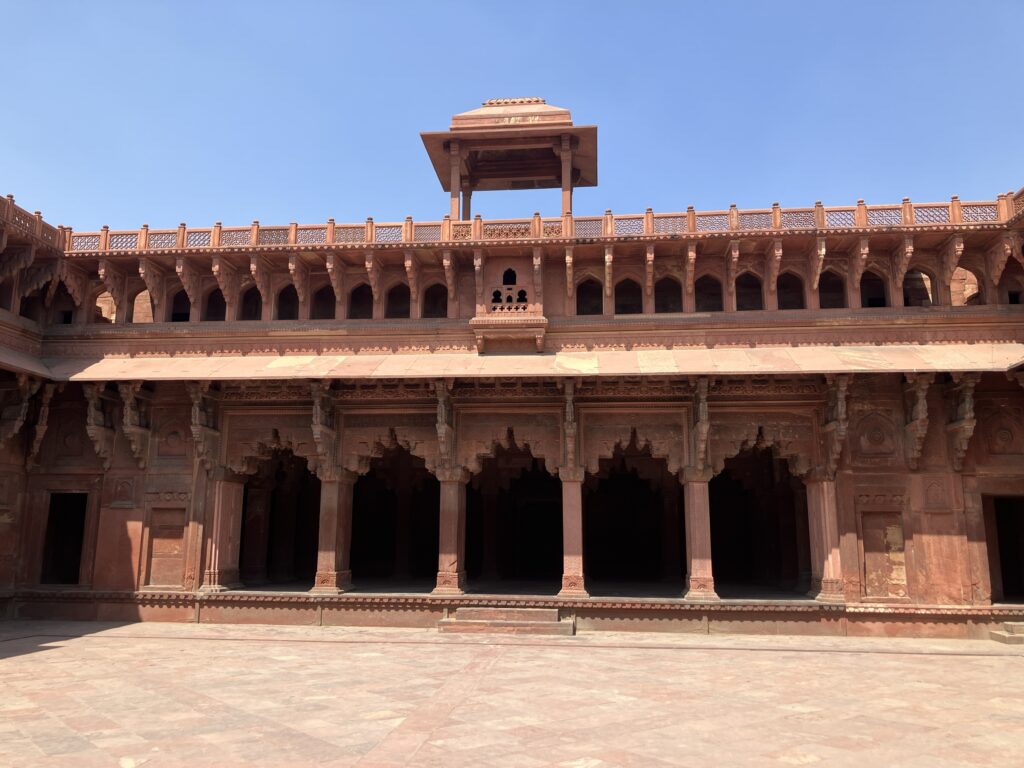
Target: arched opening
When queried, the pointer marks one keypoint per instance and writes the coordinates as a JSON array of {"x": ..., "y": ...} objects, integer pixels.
[
  {"x": 508, "y": 277},
  {"x": 759, "y": 540},
  {"x": 360, "y": 303},
  {"x": 181, "y": 307},
  {"x": 1011, "y": 284},
  {"x": 395, "y": 524},
  {"x": 104, "y": 309},
  {"x": 252, "y": 305},
  {"x": 287, "y": 304},
  {"x": 324, "y": 304},
  {"x": 917, "y": 289},
  {"x": 64, "y": 539},
  {"x": 965, "y": 288},
  {"x": 831, "y": 291},
  {"x": 790, "y": 290},
  {"x": 280, "y": 524},
  {"x": 142, "y": 308},
  {"x": 872, "y": 291},
  {"x": 7, "y": 293},
  {"x": 62, "y": 311},
  {"x": 668, "y": 295},
  {"x": 216, "y": 308},
  {"x": 396, "y": 301},
  {"x": 514, "y": 525},
  {"x": 633, "y": 532},
  {"x": 435, "y": 301},
  {"x": 32, "y": 308},
  {"x": 629, "y": 298},
  {"x": 748, "y": 293},
  {"x": 707, "y": 294},
  {"x": 589, "y": 298}
]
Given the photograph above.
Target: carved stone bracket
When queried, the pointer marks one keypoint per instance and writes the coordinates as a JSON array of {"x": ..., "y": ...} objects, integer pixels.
[
  {"x": 817, "y": 261},
  {"x": 13, "y": 414},
  {"x": 478, "y": 274},
  {"x": 16, "y": 259},
  {"x": 836, "y": 422},
  {"x": 609, "y": 275},
  {"x": 42, "y": 423},
  {"x": 373, "y": 274},
  {"x": 190, "y": 278},
  {"x": 336, "y": 274},
  {"x": 325, "y": 435},
  {"x": 700, "y": 428},
  {"x": 570, "y": 285},
  {"x": 772, "y": 263},
  {"x": 649, "y": 270},
  {"x": 538, "y": 276},
  {"x": 445, "y": 425},
  {"x": 916, "y": 408},
  {"x": 999, "y": 254},
  {"x": 99, "y": 421},
  {"x": 569, "y": 431},
  {"x": 76, "y": 280},
  {"x": 38, "y": 274},
  {"x": 691, "y": 266},
  {"x": 904, "y": 253},
  {"x": 205, "y": 422},
  {"x": 961, "y": 428},
  {"x": 952, "y": 250},
  {"x": 449, "y": 275},
  {"x": 155, "y": 278},
  {"x": 116, "y": 283},
  {"x": 135, "y": 419},
  {"x": 299, "y": 271},
  {"x": 858, "y": 257},
  {"x": 412, "y": 275},
  {"x": 732, "y": 264},
  {"x": 229, "y": 279}
]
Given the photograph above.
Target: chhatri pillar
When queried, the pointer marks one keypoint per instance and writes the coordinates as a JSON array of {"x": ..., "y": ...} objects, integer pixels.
[
  {"x": 451, "y": 551},
  {"x": 333, "y": 564},
  {"x": 700, "y": 581},
  {"x": 573, "y": 583}
]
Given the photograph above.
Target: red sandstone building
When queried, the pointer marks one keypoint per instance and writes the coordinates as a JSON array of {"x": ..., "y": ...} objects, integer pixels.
[{"x": 761, "y": 420}]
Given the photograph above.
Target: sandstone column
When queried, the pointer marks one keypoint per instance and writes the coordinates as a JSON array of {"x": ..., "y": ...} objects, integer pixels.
[
  {"x": 700, "y": 582},
  {"x": 573, "y": 583},
  {"x": 823, "y": 530},
  {"x": 225, "y": 532},
  {"x": 451, "y": 559},
  {"x": 333, "y": 570}
]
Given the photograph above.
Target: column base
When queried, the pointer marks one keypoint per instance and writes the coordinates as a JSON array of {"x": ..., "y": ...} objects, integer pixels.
[
  {"x": 450, "y": 583},
  {"x": 331, "y": 582},
  {"x": 573, "y": 586},
  {"x": 828, "y": 591},
  {"x": 221, "y": 581},
  {"x": 700, "y": 590}
]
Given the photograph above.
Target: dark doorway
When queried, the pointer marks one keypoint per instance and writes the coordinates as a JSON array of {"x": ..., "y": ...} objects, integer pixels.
[
  {"x": 280, "y": 524},
  {"x": 918, "y": 289},
  {"x": 589, "y": 300},
  {"x": 181, "y": 308},
  {"x": 748, "y": 293},
  {"x": 633, "y": 532},
  {"x": 629, "y": 298},
  {"x": 435, "y": 301},
  {"x": 324, "y": 304},
  {"x": 831, "y": 291},
  {"x": 396, "y": 304},
  {"x": 65, "y": 535},
  {"x": 514, "y": 526},
  {"x": 288, "y": 303},
  {"x": 215, "y": 306},
  {"x": 872, "y": 291},
  {"x": 668, "y": 295},
  {"x": 790, "y": 291},
  {"x": 1005, "y": 524},
  {"x": 360, "y": 303},
  {"x": 252, "y": 305},
  {"x": 759, "y": 540},
  {"x": 708, "y": 294},
  {"x": 395, "y": 524}
]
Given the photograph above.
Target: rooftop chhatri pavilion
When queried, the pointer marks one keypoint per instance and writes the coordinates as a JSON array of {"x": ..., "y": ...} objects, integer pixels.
[{"x": 806, "y": 419}]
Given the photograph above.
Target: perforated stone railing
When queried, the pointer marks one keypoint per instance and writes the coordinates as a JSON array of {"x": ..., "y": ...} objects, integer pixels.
[
  {"x": 569, "y": 227},
  {"x": 14, "y": 217}
]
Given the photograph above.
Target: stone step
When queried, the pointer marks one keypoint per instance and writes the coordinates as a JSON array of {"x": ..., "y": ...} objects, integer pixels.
[
  {"x": 474, "y": 613},
  {"x": 499, "y": 627},
  {"x": 1014, "y": 627},
  {"x": 1006, "y": 637}
]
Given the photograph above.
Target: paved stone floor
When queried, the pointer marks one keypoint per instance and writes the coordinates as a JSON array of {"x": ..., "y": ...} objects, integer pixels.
[{"x": 80, "y": 694}]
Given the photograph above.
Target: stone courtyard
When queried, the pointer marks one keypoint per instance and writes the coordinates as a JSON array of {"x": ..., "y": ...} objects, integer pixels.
[{"x": 88, "y": 694}]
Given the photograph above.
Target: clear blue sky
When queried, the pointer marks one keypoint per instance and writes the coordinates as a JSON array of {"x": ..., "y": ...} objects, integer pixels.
[{"x": 121, "y": 113}]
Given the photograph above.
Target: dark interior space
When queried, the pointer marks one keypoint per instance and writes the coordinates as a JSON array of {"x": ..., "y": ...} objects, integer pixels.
[
  {"x": 288, "y": 303},
  {"x": 790, "y": 290},
  {"x": 435, "y": 301},
  {"x": 629, "y": 298},
  {"x": 589, "y": 300},
  {"x": 280, "y": 524},
  {"x": 708, "y": 294},
  {"x": 252, "y": 305},
  {"x": 633, "y": 532},
  {"x": 395, "y": 524},
  {"x": 1008, "y": 575},
  {"x": 759, "y": 540},
  {"x": 748, "y": 293},
  {"x": 360, "y": 303},
  {"x": 65, "y": 534},
  {"x": 831, "y": 291},
  {"x": 514, "y": 525},
  {"x": 872, "y": 291},
  {"x": 668, "y": 295},
  {"x": 181, "y": 307},
  {"x": 324, "y": 304}
]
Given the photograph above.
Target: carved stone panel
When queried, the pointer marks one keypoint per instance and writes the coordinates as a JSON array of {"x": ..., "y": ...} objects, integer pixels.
[
  {"x": 365, "y": 436},
  {"x": 662, "y": 431},
  {"x": 792, "y": 436},
  {"x": 874, "y": 440},
  {"x": 252, "y": 436},
  {"x": 478, "y": 433},
  {"x": 884, "y": 564}
]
